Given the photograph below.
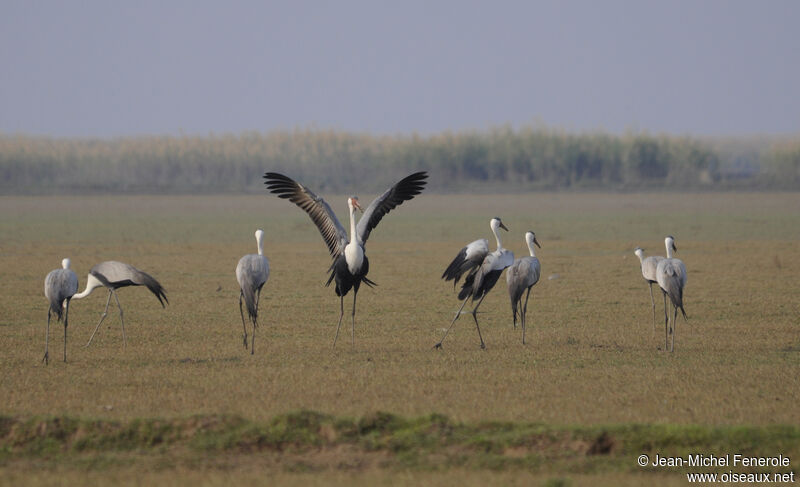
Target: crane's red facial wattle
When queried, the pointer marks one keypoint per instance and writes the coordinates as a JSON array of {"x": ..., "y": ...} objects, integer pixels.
[{"x": 355, "y": 203}]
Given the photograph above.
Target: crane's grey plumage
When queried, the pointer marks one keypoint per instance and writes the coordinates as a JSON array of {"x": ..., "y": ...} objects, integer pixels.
[
  {"x": 350, "y": 265},
  {"x": 522, "y": 275},
  {"x": 60, "y": 286},
  {"x": 114, "y": 275},
  {"x": 252, "y": 272},
  {"x": 671, "y": 277},
  {"x": 480, "y": 276},
  {"x": 649, "y": 266}
]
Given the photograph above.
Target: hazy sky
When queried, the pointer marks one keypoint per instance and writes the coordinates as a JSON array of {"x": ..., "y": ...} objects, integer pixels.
[{"x": 114, "y": 68}]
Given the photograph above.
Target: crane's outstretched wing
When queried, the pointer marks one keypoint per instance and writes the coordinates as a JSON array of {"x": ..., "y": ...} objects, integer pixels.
[
  {"x": 321, "y": 214},
  {"x": 468, "y": 259},
  {"x": 404, "y": 190}
]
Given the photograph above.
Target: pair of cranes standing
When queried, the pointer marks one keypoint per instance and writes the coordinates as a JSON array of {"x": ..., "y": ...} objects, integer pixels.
[
  {"x": 61, "y": 286},
  {"x": 670, "y": 275}
]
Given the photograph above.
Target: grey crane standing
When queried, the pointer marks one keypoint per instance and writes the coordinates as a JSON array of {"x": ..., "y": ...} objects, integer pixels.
[
  {"x": 252, "y": 272},
  {"x": 482, "y": 268},
  {"x": 114, "y": 275},
  {"x": 350, "y": 264},
  {"x": 521, "y": 275},
  {"x": 671, "y": 277},
  {"x": 649, "y": 266},
  {"x": 60, "y": 285}
]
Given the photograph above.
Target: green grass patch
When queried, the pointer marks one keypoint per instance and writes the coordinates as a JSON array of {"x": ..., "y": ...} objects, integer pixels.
[{"x": 427, "y": 442}]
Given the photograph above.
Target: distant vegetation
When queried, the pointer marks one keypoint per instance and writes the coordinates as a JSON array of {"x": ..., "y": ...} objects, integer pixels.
[{"x": 524, "y": 159}]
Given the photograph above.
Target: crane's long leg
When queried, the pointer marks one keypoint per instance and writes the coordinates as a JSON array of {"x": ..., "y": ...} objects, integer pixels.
[
  {"x": 653, "y": 301},
  {"x": 458, "y": 313},
  {"x": 258, "y": 299},
  {"x": 121, "y": 320},
  {"x": 45, "y": 359},
  {"x": 353, "y": 321},
  {"x": 674, "y": 329},
  {"x": 253, "y": 338},
  {"x": 514, "y": 308},
  {"x": 241, "y": 312},
  {"x": 66, "y": 322},
  {"x": 341, "y": 314},
  {"x": 475, "y": 317},
  {"x": 525, "y": 315},
  {"x": 102, "y": 317},
  {"x": 255, "y": 325},
  {"x": 666, "y": 322}
]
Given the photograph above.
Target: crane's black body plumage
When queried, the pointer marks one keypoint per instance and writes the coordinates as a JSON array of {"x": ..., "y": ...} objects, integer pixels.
[
  {"x": 479, "y": 291},
  {"x": 345, "y": 280}
]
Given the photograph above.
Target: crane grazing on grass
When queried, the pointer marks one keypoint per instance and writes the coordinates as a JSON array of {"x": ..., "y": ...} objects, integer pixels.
[
  {"x": 649, "y": 266},
  {"x": 671, "y": 277},
  {"x": 60, "y": 285},
  {"x": 350, "y": 264},
  {"x": 482, "y": 269},
  {"x": 114, "y": 275},
  {"x": 521, "y": 275},
  {"x": 252, "y": 272}
]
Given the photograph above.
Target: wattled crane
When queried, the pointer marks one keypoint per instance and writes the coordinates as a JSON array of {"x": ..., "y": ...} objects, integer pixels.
[
  {"x": 649, "y": 266},
  {"x": 483, "y": 269},
  {"x": 521, "y": 275},
  {"x": 114, "y": 275},
  {"x": 60, "y": 285},
  {"x": 671, "y": 277},
  {"x": 350, "y": 264},
  {"x": 252, "y": 272}
]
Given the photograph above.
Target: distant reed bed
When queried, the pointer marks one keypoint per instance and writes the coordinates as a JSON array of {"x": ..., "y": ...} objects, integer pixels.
[{"x": 512, "y": 159}]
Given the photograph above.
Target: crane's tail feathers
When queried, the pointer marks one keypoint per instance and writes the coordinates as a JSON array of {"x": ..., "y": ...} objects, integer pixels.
[
  {"x": 57, "y": 309},
  {"x": 250, "y": 302},
  {"x": 368, "y": 282},
  {"x": 155, "y": 288},
  {"x": 686, "y": 318}
]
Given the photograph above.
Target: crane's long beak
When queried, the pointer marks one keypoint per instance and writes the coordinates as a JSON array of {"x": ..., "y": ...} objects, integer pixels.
[
  {"x": 357, "y": 204},
  {"x": 674, "y": 247},
  {"x": 503, "y": 226},
  {"x": 536, "y": 242}
]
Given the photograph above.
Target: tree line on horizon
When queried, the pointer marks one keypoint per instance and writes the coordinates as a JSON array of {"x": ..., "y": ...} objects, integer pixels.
[{"x": 500, "y": 159}]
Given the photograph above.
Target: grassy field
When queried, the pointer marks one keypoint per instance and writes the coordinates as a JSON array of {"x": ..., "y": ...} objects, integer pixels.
[{"x": 592, "y": 360}]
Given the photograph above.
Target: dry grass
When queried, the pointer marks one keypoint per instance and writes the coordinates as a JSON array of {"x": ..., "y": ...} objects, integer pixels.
[{"x": 592, "y": 356}]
